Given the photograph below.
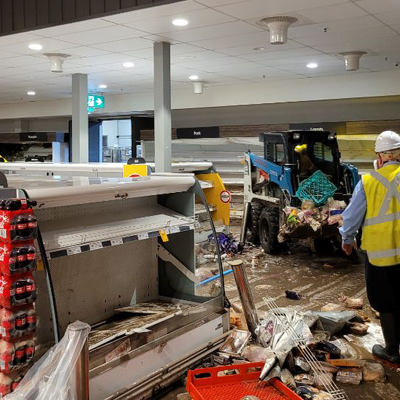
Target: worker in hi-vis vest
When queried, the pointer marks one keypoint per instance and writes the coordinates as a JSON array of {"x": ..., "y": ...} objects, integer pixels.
[{"x": 375, "y": 206}]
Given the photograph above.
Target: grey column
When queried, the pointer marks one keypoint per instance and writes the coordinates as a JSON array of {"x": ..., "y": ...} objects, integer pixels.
[
  {"x": 162, "y": 106},
  {"x": 80, "y": 123}
]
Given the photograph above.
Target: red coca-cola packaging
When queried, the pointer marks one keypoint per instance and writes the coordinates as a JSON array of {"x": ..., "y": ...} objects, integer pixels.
[
  {"x": 17, "y": 221},
  {"x": 17, "y": 291},
  {"x": 7, "y": 356},
  {"x": 16, "y": 382},
  {"x": 18, "y": 323},
  {"x": 17, "y": 258},
  {"x": 5, "y": 385}
]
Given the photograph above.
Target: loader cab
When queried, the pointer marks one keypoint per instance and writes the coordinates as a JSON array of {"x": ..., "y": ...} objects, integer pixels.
[{"x": 304, "y": 152}]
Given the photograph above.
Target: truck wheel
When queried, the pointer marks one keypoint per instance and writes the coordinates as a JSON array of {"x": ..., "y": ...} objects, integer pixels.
[
  {"x": 269, "y": 229},
  {"x": 252, "y": 223}
]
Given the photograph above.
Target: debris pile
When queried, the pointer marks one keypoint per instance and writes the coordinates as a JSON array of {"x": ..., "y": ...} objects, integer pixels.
[{"x": 310, "y": 216}]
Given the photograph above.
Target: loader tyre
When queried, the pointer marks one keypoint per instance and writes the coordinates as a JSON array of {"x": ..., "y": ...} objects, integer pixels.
[
  {"x": 252, "y": 224},
  {"x": 269, "y": 229}
]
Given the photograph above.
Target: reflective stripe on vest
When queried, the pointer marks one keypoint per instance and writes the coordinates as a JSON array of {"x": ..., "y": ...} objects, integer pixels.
[{"x": 381, "y": 231}]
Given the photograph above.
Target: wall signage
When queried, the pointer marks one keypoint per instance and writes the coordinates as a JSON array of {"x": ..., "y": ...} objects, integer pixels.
[{"x": 198, "y": 133}]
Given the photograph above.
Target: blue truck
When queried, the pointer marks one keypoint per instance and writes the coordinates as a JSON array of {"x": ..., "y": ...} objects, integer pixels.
[{"x": 272, "y": 180}]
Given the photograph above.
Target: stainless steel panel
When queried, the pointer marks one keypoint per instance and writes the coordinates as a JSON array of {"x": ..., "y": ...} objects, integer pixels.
[{"x": 88, "y": 289}]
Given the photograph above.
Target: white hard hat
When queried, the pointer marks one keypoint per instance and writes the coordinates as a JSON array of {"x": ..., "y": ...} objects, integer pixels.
[{"x": 387, "y": 140}]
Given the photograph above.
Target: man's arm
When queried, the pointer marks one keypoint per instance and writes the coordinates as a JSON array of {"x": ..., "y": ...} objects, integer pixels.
[{"x": 353, "y": 217}]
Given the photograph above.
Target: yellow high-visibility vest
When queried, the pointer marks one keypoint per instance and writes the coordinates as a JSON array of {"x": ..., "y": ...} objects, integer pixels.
[{"x": 381, "y": 230}]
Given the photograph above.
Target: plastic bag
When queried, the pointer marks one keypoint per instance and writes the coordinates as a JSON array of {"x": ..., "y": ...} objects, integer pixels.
[{"x": 53, "y": 376}]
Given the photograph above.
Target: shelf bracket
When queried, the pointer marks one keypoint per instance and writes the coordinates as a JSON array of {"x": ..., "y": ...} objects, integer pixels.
[{"x": 166, "y": 256}]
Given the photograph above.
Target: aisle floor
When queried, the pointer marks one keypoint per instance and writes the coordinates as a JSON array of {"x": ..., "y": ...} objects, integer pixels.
[{"x": 320, "y": 281}]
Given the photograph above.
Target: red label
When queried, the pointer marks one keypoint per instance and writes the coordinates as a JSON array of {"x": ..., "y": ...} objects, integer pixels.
[
  {"x": 31, "y": 256},
  {"x": 30, "y": 287},
  {"x": 20, "y": 353},
  {"x": 21, "y": 258},
  {"x": 32, "y": 225},
  {"x": 30, "y": 351},
  {"x": 12, "y": 260},
  {"x": 20, "y": 290},
  {"x": 22, "y": 226},
  {"x": 31, "y": 319},
  {"x": 14, "y": 385},
  {"x": 20, "y": 321}
]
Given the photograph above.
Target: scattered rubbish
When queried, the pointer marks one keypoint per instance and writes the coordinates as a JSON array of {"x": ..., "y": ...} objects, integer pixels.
[
  {"x": 302, "y": 364},
  {"x": 327, "y": 266},
  {"x": 235, "y": 342},
  {"x": 255, "y": 353},
  {"x": 352, "y": 376},
  {"x": 349, "y": 363},
  {"x": 332, "y": 307},
  {"x": 237, "y": 319},
  {"x": 307, "y": 392},
  {"x": 227, "y": 244},
  {"x": 373, "y": 372},
  {"x": 351, "y": 302},
  {"x": 356, "y": 328},
  {"x": 183, "y": 396},
  {"x": 323, "y": 380},
  {"x": 293, "y": 295},
  {"x": 304, "y": 379},
  {"x": 334, "y": 321},
  {"x": 327, "y": 367},
  {"x": 329, "y": 348},
  {"x": 265, "y": 332},
  {"x": 288, "y": 379}
]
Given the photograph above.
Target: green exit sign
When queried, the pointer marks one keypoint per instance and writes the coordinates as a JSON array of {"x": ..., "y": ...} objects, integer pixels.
[{"x": 94, "y": 101}]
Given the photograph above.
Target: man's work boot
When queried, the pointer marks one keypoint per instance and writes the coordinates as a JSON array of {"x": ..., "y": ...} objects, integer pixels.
[{"x": 390, "y": 328}]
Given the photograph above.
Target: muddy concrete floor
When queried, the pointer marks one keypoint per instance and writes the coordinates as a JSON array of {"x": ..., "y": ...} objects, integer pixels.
[{"x": 320, "y": 281}]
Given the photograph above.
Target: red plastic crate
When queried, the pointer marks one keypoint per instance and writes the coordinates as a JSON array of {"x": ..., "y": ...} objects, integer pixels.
[{"x": 213, "y": 384}]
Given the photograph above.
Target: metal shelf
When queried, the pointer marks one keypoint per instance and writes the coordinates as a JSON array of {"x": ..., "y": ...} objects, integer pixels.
[{"x": 63, "y": 238}]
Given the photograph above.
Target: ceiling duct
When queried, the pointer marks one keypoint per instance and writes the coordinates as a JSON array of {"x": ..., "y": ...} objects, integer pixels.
[
  {"x": 198, "y": 87},
  {"x": 352, "y": 59},
  {"x": 56, "y": 60},
  {"x": 278, "y": 28}
]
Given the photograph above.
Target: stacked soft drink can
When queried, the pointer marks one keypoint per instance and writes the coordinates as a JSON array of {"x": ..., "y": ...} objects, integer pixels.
[{"x": 18, "y": 259}]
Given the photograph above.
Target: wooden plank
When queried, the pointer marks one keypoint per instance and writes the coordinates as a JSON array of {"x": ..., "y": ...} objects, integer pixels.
[
  {"x": 82, "y": 8},
  {"x": 6, "y": 16},
  {"x": 30, "y": 13},
  {"x": 56, "y": 12},
  {"x": 69, "y": 10},
  {"x": 42, "y": 7},
  {"x": 112, "y": 5},
  {"x": 97, "y": 7}
]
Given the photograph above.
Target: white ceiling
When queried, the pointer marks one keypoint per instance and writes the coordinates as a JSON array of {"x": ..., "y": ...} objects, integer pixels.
[{"x": 217, "y": 45}]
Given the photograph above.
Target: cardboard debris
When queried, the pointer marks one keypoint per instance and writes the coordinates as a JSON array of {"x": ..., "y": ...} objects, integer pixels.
[
  {"x": 351, "y": 302},
  {"x": 347, "y": 363},
  {"x": 332, "y": 307},
  {"x": 358, "y": 329},
  {"x": 373, "y": 372}
]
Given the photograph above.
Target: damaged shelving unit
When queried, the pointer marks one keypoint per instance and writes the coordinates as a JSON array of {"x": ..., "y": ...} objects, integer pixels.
[{"x": 121, "y": 257}]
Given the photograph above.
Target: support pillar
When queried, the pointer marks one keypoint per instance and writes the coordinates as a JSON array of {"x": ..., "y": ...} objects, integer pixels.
[
  {"x": 162, "y": 106},
  {"x": 80, "y": 122}
]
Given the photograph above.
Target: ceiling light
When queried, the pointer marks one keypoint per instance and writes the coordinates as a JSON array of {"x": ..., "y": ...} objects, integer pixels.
[
  {"x": 193, "y": 77},
  {"x": 128, "y": 64},
  {"x": 352, "y": 59},
  {"x": 102, "y": 86},
  {"x": 278, "y": 28},
  {"x": 180, "y": 22},
  {"x": 312, "y": 65},
  {"x": 259, "y": 48},
  {"x": 187, "y": 57},
  {"x": 30, "y": 93},
  {"x": 35, "y": 46}
]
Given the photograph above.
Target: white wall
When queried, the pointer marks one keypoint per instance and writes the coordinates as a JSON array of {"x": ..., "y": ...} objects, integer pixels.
[{"x": 349, "y": 85}]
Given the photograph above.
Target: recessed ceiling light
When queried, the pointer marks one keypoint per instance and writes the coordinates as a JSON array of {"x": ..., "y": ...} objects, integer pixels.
[
  {"x": 35, "y": 46},
  {"x": 312, "y": 65},
  {"x": 31, "y": 93},
  {"x": 193, "y": 77},
  {"x": 180, "y": 22},
  {"x": 187, "y": 57},
  {"x": 128, "y": 64},
  {"x": 259, "y": 48},
  {"x": 103, "y": 86}
]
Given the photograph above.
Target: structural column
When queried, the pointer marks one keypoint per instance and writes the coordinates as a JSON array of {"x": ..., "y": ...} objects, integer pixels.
[
  {"x": 162, "y": 106},
  {"x": 80, "y": 122}
]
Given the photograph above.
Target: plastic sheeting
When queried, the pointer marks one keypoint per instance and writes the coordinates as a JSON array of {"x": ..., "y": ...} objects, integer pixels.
[{"x": 53, "y": 377}]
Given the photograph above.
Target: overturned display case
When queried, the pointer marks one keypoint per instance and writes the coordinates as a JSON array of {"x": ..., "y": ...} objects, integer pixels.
[{"x": 125, "y": 257}]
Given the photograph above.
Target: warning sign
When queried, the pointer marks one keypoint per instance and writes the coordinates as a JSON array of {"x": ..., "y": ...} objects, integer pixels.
[{"x": 225, "y": 196}]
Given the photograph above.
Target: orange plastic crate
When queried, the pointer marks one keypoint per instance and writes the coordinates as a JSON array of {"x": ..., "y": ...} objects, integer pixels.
[{"x": 214, "y": 384}]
